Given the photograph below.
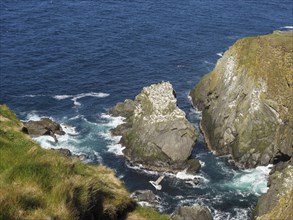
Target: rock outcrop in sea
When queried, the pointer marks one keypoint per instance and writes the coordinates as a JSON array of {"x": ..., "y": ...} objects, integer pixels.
[
  {"x": 156, "y": 132},
  {"x": 247, "y": 111}
]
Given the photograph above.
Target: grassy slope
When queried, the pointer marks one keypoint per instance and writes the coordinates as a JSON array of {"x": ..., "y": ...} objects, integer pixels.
[{"x": 42, "y": 184}]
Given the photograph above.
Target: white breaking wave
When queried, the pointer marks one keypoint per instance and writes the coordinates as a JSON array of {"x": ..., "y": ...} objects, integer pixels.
[
  {"x": 241, "y": 214},
  {"x": 252, "y": 180},
  {"x": 33, "y": 116},
  {"x": 287, "y": 27},
  {"x": 141, "y": 168},
  {"x": 70, "y": 141},
  {"x": 112, "y": 122},
  {"x": 184, "y": 175},
  {"x": 116, "y": 149},
  {"x": 220, "y": 54},
  {"x": 74, "y": 98},
  {"x": 67, "y": 141}
]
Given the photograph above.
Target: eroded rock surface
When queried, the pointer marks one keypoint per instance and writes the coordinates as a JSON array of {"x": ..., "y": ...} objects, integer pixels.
[
  {"x": 246, "y": 101},
  {"x": 156, "y": 133}
]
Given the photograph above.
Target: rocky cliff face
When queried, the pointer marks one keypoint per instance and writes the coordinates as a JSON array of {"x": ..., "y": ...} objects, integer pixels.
[
  {"x": 247, "y": 108},
  {"x": 156, "y": 132},
  {"x": 247, "y": 100}
]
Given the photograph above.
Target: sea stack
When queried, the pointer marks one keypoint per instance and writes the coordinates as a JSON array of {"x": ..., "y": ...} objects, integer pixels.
[
  {"x": 247, "y": 111},
  {"x": 156, "y": 132}
]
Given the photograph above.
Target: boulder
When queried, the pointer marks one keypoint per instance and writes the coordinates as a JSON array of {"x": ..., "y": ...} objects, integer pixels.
[
  {"x": 42, "y": 127},
  {"x": 147, "y": 197},
  {"x": 196, "y": 212},
  {"x": 156, "y": 132},
  {"x": 246, "y": 101}
]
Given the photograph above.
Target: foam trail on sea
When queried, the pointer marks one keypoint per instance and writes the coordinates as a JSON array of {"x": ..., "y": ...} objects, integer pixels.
[
  {"x": 141, "y": 168},
  {"x": 74, "y": 98}
]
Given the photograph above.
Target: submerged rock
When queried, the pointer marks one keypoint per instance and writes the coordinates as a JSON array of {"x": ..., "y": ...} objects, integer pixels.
[
  {"x": 196, "y": 212},
  {"x": 156, "y": 132},
  {"x": 246, "y": 101}
]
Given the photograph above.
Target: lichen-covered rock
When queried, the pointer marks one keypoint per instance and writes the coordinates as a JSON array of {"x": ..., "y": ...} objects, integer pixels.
[
  {"x": 246, "y": 101},
  {"x": 156, "y": 133},
  {"x": 277, "y": 203},
  {"x": 196, "y": 212}
]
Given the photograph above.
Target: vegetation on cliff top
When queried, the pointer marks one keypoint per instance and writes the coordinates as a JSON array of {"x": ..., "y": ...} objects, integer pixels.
[{"x": 42, "y": 184}]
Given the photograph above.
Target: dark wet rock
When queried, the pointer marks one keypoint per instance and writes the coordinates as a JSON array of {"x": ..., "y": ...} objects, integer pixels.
[
  {"x": 156, "y": 132},
  {"x": 42, "y": 127},
  {"x": 193, "y": 166},
  {"x": 82, "y": 157},
  {"x": 246, "y": 101},
  {"x": 64, "y": 152},
  {"x": 146, "y": 196},
  {"x": 196, "y": 212}
]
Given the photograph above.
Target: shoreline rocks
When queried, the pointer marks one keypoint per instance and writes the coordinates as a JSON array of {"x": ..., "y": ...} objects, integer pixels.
[
  {"x": 44, "y": 126},
  {"x": 156, "y": 132}
]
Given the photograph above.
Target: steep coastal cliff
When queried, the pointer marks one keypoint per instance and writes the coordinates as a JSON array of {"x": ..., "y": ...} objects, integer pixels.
[
  {"x": 43, "y": 184},
  {"x": 246, "y": 100},
  {"x": 247, "y": 111}
]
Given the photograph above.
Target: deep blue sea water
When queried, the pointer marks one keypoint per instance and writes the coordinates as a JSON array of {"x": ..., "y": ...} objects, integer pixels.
[{"x": 73, "y": 60}]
